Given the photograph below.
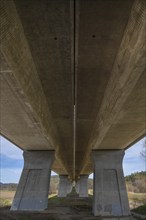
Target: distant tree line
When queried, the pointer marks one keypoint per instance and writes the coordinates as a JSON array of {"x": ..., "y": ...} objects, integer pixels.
[
  {"x": 8, "y": 186},
  {"x": 143, "y": 152},
  {"x": 136, "y": 182}
]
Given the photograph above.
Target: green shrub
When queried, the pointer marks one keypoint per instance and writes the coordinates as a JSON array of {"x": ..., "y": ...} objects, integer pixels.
[
  {"x": 140, "y": 210},
  {"x": 6, "y": 202}
]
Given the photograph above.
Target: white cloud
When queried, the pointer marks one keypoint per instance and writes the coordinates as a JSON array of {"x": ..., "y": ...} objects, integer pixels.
[
  {"x": 133, "y": 161},
  {"x": 9, "y": 149},
  {"x": 10, "y": 175},
  {"x": 134, "y": 151}
]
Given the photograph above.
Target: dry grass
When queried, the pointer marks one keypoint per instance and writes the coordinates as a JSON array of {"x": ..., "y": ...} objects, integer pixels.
[
  {"x": 72, "y": 206},
  {"x": 139, "y": 197},
  {"x": 52, "y": 195},
  {"x": 6, "y": 198},
  {"x": 7, "y": 194}
]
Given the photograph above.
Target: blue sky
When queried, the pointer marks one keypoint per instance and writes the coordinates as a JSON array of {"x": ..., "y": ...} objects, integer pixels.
[{"x": 11, "y": 161}]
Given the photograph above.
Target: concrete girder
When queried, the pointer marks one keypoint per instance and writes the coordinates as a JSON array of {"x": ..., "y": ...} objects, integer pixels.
[
  {"x": 128, "y": 67},
  {"x": 128, "y": 73},
  {"x": 16, "y": 51},
  {"x": 24, "y": 75}
]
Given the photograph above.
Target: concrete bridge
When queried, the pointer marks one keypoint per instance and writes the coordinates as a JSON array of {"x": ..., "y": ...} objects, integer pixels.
[{"x": 73, "y": 95}]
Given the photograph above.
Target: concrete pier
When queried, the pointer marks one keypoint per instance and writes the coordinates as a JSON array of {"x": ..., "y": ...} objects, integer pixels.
[
  {"x": 110, "y": 195},
  {"x": 65, "y": 186},
  {"x": 82, "y": 186},
  {"x": 33, "y": 187}
]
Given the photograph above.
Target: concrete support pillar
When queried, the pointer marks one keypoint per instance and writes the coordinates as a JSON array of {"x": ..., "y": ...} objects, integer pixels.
[
  {"x": 33, "y": 187},
  {"x": 65, "y": 186},
  {"x": 82, "y": 186},
  {"x": 109, "y": 194}
]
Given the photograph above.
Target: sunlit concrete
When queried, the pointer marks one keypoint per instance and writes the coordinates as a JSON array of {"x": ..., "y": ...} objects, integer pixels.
[
  {"x": 33, "y": 188},
  {"x": 82, "y": 186},
  {"x": 65, "y": 186},
  {"x": 109, "y": 190}
]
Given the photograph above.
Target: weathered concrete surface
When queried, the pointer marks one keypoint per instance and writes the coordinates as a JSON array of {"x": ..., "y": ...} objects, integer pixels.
[
  {"x": 82, "y": 186},
  {"x": 54, "y": 125},
  {"x": 128, "y": 68},
  {"x": 33, "y": 188},
  {"x": 65, "y": 186},
  {"x": 120, "y": 119},
  {"x": 62, "y": 55},
  {"x": 110, "y": 194}
]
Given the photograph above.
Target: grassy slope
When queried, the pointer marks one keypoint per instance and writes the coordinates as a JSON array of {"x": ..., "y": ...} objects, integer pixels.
[{"x": 139, "y": 197}]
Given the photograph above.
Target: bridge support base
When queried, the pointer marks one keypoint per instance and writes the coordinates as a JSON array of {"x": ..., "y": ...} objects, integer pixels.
[
  {"x": 65, "y": 186},
  {"x": 33, "y": 187},
  {"x": 109, "y": 193},
  {"x": 82, "y": 186}
]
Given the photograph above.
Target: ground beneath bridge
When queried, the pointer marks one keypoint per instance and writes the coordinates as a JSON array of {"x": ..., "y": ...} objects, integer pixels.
[{"x": 58, "y": 209}]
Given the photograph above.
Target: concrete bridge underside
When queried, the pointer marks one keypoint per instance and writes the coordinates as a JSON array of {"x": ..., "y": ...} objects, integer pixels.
[{"x": 73, "y": 80}]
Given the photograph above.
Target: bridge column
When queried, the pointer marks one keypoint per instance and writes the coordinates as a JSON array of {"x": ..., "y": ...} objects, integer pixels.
[
  {"x": 82, "y": 186},
  {"x": 109, "y": 189},
  {"x": 65, "y": 186},
  {"x": 33, "y": 187}
]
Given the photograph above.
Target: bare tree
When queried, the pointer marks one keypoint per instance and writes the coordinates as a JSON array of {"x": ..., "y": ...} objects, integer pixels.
[{"x": 143, "y": 152}]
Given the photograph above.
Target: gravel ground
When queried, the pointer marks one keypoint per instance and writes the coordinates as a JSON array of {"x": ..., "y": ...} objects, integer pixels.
[{"x": 58, "y": 209}]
